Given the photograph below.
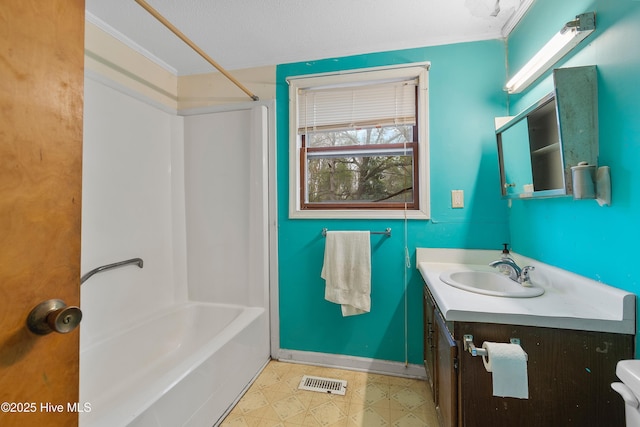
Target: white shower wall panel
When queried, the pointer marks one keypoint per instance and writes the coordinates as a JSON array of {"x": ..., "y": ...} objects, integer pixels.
[
  {"x": 218, "y": 180},
  {"x": 128, "y": 209}
]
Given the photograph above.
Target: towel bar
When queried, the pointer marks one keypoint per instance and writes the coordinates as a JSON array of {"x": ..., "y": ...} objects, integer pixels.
[{"x": 386, "y": 232}]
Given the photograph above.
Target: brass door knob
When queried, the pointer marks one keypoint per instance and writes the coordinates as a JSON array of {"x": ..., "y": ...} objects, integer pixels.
[{"x": 53, "y": 315}]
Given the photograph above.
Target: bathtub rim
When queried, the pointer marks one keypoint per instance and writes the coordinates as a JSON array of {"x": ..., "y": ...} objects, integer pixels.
[
  {"x": 150, "y": 317},
  {"x": 133, "y": 406}
]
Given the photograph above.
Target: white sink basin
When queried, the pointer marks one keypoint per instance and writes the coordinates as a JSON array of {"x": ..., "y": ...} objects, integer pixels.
[{"x": 489, "y": 283}]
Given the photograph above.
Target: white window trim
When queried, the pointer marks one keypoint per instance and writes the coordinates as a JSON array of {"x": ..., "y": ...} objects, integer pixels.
[{"x": 419, "y": 70}]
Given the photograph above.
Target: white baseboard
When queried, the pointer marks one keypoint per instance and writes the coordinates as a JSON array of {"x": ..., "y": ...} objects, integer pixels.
[{"x": 352, "y": 363}]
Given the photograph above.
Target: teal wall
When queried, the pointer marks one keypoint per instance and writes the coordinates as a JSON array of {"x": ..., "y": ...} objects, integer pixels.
[
  {"x": 466, "y": 83},
  {"x": 466, "y": 94},
  {"x": 580, "y": 236}
]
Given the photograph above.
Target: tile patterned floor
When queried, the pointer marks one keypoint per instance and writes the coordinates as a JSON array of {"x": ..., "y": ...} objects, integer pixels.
[{"x": 371, "y": 400}]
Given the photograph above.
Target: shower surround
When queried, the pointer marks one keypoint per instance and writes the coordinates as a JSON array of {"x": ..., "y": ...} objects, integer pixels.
[{"x": 189, "y": 195}]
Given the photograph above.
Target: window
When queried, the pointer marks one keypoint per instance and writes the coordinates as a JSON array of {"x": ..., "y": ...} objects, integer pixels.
[{"x": 358, "y": 144}]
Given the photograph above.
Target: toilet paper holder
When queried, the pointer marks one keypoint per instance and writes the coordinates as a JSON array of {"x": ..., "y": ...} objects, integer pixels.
[{"x": 475, "y": 351}]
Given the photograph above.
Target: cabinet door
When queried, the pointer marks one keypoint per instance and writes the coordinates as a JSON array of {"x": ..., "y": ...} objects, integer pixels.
[
  {"x": 446, "y": 365},
  {"x": 569, "y": 374},
  {"x": 429, "y": 339}
]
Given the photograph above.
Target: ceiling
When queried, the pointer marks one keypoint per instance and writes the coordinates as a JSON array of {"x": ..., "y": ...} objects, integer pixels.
[{"x": 252, "y": 33}]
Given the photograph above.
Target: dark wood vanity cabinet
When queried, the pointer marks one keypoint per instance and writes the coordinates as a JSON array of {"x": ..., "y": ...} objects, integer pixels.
[
  {"x": 446, "y": 371},
  {"x": 569, "y": 374},
  {"x": 441, "y": 363},
  {"x": 429, "y": 344}
]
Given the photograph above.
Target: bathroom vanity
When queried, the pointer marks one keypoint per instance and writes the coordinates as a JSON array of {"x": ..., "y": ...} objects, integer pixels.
[{"x": 573, "y": 334}]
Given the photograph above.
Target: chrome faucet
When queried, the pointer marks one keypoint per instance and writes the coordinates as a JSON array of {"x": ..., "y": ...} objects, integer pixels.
[
  {"x": 514, "y": 270},
  {"x": 517, "y": 274}
]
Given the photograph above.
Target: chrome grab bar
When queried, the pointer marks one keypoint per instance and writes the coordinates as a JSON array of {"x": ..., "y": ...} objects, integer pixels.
[{"x": 137, "y": 261}]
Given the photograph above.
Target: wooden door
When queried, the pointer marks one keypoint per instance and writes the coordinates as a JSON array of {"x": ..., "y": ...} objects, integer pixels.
[{"x": 41, "y": 104}]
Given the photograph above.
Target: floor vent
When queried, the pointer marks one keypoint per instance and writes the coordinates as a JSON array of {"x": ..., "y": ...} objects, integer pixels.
[{"x": 323, "y": 385}]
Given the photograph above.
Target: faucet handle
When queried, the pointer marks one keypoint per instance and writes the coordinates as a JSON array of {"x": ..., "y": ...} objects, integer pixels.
[{"x": 524, "y": 275}]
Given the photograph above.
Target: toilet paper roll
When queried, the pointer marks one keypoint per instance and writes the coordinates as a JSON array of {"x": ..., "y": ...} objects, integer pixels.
[{"x": 508, "y": 366}]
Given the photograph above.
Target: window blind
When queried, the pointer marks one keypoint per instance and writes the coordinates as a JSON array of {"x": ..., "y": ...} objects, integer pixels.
[{"x": 369, "y": 105}]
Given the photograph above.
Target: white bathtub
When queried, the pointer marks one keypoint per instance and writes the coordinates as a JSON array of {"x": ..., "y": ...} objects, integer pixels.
[{"x": 184, "y": 366}]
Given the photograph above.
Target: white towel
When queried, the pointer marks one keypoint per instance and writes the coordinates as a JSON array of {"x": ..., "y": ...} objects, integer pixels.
[{"x": 347, "y": 271}]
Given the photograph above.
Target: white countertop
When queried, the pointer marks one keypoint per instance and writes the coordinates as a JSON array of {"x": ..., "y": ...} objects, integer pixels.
[{"x": 570, "y": 301}]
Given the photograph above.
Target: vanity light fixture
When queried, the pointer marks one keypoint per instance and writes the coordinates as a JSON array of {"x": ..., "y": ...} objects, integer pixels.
[{"x": 560, "y": 44}]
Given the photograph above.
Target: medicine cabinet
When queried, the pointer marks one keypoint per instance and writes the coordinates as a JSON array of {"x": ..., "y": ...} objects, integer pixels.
[{"x": 538, "y": 147}]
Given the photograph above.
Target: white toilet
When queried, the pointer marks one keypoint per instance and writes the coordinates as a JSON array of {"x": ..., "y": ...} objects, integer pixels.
[{"x": 629, "y": 372}]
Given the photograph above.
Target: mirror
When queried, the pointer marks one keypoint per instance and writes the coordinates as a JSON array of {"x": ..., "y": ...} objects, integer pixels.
[
  {"x": 518, "y": 177},
  {"x": 529, "y": 148}
]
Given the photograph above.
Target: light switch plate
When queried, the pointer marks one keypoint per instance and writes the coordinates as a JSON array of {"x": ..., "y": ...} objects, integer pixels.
[{"x": 457, "y": 199}]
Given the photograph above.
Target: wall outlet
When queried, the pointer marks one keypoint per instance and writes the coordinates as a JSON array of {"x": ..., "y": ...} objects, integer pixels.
[{"x": 457, "y": 199}]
